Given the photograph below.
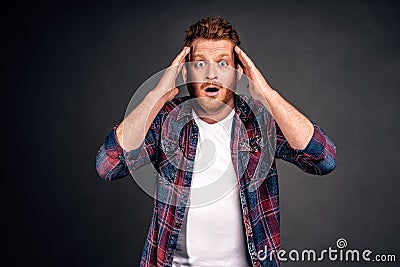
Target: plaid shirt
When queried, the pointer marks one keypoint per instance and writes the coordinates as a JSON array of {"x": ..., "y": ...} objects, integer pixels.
[{"x": 172, "y": 154}]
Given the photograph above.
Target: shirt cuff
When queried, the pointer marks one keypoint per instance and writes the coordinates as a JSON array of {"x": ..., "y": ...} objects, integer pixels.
[
  {"x": 315, "y": 148},
  {"x": 111, "y": 143}
]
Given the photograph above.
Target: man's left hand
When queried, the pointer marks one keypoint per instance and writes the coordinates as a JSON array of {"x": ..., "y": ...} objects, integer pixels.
[{"x": 258, "y": 86}]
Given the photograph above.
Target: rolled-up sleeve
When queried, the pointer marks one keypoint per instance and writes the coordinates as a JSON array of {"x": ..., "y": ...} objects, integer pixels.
[
  {"x": 112, "y": 162},
  {"x": 319, "y": 156}
]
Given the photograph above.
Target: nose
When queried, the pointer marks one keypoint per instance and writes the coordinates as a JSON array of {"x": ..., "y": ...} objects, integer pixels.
[{"x": 211, "y": 72}]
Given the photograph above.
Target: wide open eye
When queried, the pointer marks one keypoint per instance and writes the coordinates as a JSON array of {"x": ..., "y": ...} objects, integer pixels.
[
  {"x": 199, "y": 64},
  {"x": 223, "y": 64}
]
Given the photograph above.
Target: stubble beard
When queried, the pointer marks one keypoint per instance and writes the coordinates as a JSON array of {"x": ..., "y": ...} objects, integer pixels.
[{"x": 210, "y": 105}]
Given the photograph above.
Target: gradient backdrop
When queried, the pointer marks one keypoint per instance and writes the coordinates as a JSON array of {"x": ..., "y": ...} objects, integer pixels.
[{"x": 71, "y": 69}]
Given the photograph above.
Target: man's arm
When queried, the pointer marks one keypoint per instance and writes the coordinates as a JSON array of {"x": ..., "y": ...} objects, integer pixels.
[
  {"x": 130, "y": 134},
  {"x": 299, "y": 141},
  {"x": 297, "y": 129},
  {"x": 133, "y": 129},
  {"x": 318, "y": 157}
]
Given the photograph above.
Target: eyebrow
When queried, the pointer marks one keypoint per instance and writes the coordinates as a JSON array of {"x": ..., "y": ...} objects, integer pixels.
[
  {"x": 202, "y": 56},
  {"x": 225, "y": 55},
  {"x": 198, "y": 55}
]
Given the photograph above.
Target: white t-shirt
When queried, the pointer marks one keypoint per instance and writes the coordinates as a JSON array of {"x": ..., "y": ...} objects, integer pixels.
[{"x": 212, "y": 232}]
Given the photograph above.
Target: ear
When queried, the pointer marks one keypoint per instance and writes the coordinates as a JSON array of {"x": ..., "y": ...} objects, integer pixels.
[
  {"x": 184, "y": 73},
  {"x": 239, "y": 73}
]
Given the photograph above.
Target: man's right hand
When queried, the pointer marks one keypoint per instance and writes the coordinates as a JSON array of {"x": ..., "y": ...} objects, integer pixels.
[{"x": 166, "y": 88}]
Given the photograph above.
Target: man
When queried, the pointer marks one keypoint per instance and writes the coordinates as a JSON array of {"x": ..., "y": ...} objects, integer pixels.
[{"x": 232, "y": 227}]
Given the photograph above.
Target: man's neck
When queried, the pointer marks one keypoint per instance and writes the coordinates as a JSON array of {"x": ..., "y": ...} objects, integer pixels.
[{"x": 214, "y": 117}]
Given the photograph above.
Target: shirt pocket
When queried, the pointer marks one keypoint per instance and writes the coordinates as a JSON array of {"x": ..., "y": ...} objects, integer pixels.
[{"x": 255, "y": 158}]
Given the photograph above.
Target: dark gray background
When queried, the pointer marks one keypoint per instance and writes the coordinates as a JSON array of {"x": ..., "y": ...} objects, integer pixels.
[{"x": 71, "y": 69}]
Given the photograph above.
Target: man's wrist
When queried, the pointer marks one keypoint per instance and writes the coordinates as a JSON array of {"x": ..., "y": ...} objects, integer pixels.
[{"x": 118, "y": 133}]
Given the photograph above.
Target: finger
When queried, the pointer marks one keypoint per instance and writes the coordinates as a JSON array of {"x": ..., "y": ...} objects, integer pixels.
[
  {"x": 179, "y": 59},
  {"x": 246, "y": 61},
  {"x": 176, "y": 64},
  {"x": 181, "y": 56},
  {"x": 168, "y": 79}
]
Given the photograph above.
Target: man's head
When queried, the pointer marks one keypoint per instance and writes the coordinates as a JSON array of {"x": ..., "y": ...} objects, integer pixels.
[
  {"x": 212, "y": 29},
  {"x": 211, "y": 73}
]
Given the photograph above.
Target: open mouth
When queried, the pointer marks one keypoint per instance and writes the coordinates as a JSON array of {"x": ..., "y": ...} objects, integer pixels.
[{"x": 211, "y": 91}]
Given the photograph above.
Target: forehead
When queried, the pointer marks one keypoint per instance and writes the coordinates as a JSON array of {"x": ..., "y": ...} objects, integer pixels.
[{"x": 212, "y": 47}]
